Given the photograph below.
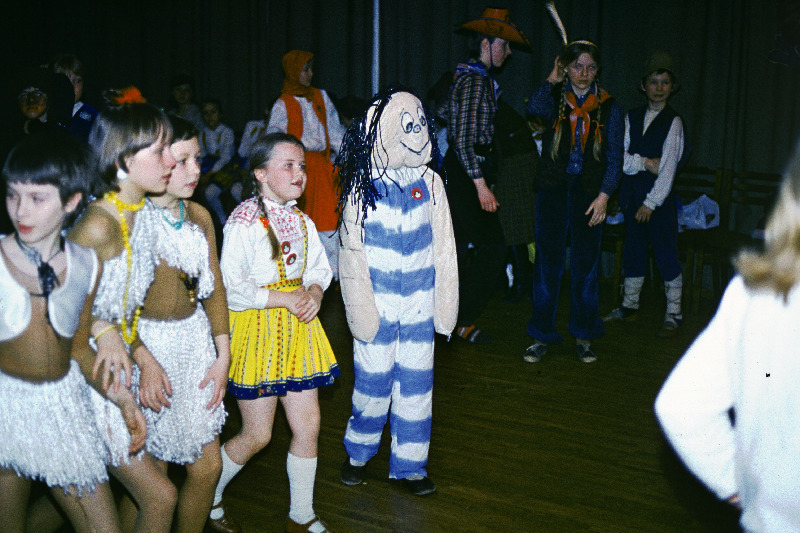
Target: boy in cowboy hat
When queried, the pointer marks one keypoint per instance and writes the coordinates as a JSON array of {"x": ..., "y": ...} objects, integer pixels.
[
  {"x": 655, "y": 149},
  {"x": 470, "y": 110}
]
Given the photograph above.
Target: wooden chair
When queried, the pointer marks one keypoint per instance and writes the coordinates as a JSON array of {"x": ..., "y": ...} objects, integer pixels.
[
  {"x": 748, "y": 197},
  {"x": 691, "y": 183}
]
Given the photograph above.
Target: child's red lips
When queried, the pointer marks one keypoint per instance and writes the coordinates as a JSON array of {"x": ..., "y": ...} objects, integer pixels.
[{"x": 24, "y": 229}]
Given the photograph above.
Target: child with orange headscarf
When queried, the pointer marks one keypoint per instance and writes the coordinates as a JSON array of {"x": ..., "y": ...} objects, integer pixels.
[{"x": 309, "y": 114}]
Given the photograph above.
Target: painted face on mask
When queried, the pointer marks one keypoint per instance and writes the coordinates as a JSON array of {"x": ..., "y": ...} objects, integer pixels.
[{"x": 403, "y": 138}]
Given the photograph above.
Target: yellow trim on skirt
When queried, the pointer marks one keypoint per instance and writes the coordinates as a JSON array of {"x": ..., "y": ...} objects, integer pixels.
[{"x": 273, "y": 352}]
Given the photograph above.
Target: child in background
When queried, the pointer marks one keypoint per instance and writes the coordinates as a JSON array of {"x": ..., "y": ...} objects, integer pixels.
[
  {"x": 309, "y": 114},
  {"x": 275, "y": 274},
  {"x": 252, "y": 131},
  {"x": 83, "y": 115},
  {"x": 731, "y": 406},
  {"x": 184, "y": 324},
  {"x": 54, "y": 425},
  {"x": 182, "y": 100},
  {"x": 654, "y": 152},
  {"x": 217, "y": 144},
  {"x": 578, "y": 172},
  {"x": 131, "y": 140}
]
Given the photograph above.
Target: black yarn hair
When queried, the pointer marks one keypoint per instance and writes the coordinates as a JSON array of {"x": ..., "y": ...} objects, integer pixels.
[{"x": 354, "y": 160}]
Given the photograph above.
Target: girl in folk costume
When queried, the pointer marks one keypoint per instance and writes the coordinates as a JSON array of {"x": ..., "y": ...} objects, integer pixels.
[
  {"x": 131, "y": 140},
  {"x": 398, "y": 283},
  {"x": 579, "y": 170},
  {"x": 655, "y": 149},
  {"x": 184, "y": 324},
  {"x": 275, "y": 273},
  {"x": 55, "y": 427},
  {"x": 309, "y": 114}
]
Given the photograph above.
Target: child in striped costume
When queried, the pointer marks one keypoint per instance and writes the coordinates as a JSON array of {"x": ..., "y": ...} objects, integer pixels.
[{"x": 399, "y": 282}]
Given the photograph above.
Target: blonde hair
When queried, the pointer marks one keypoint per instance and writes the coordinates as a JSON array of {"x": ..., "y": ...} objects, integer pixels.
[{"x": 777, "y": 267}]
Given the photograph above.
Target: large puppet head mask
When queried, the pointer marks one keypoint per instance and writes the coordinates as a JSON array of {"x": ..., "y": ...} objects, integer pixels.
[
  {"x": 402, "y": 136},
  {"x": 395, "y": 132}
]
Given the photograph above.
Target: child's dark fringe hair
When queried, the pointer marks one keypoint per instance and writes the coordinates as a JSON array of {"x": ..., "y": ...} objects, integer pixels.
[{"x": 354, "y": 161}]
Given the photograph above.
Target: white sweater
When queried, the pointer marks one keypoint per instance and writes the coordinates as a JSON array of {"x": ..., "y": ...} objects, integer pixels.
[{"x": 747, "y": 360}]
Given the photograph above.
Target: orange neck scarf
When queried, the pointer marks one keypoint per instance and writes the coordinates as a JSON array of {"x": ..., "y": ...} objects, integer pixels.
[
  {"x": 591, "y": 103},
  {"x": 293, "y": 63}
]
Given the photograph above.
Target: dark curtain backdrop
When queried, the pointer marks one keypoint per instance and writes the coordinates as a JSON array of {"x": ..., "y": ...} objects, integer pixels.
[{"x": 741, "y": 110}]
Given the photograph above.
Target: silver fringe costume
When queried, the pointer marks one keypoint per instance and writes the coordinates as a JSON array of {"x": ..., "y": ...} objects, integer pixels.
[
  {"x": 184, "y": 348},
  {"x": 67, "y": 435}
]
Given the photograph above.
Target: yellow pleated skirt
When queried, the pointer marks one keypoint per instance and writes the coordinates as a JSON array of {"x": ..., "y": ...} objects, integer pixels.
[{"x": 272, "y": 352}]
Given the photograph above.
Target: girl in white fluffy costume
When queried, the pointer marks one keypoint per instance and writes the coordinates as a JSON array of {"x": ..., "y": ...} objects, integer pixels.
[{"x": 54, "y": 426}]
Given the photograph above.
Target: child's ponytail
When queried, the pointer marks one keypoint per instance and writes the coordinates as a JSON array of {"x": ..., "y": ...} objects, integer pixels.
[
  {"x": 596, "y": 146},
  {"x": 562, "y": 106},
  {"x": 273, "y": 239}
]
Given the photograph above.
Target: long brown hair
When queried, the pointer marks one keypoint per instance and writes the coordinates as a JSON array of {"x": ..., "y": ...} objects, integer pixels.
[
  {"x": 260, "y": 154},
  {"x": 571, "y": 52}
]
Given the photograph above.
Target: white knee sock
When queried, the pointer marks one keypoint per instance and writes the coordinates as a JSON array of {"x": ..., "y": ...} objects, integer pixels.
[
  {"x": 633, "y": 288},
  {"x": 673, "y": 290},
  {"x": 302, "y": 473},
  {"x": 229, "y": 470}
]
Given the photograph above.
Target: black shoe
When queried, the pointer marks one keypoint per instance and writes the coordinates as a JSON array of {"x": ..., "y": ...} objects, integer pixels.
[
  {"x": 420, "y": 487},
  {"x": 351, "y": 474},
  {"x": 623, "y": 313},
  {"x": 585, "y": 353},
  {"x": 473, "y": 335},
  {"x": 535, "y": 352}
]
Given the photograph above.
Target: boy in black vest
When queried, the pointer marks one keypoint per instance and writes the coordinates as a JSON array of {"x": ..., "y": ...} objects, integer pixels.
[{"x": 655, "y": 149}]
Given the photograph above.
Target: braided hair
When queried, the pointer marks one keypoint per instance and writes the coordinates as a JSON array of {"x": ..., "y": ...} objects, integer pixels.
[
  {"x": 260, "y": 154},
  {"x": 572, "y": 51}
]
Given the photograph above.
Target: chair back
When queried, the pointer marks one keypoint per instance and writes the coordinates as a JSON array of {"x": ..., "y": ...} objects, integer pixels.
[{"x": 749, "y": 197}]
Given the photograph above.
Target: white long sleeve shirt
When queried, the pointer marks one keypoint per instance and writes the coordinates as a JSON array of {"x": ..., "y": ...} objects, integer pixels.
[
  {"x": 747, "y": 360},
  {"x": 670, "y": 155},
  {"x": 313, "y": 130},
  {"x": 247, "y": 264},
  {"x": 220, "y": 142}
]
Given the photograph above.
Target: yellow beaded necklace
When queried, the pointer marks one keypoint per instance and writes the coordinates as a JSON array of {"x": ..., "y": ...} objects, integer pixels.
[{"x": 121, "y": 206}]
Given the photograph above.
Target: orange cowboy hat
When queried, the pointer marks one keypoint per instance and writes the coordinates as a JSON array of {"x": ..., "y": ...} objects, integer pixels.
[{"x": 495, "y": 22}]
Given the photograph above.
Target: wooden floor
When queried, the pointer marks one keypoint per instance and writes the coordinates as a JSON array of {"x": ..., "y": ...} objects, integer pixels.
[{"x": 558, "y": 446}]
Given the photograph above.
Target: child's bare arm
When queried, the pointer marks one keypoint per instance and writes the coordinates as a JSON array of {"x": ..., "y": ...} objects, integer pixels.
[
  {"x": 310, "y": 304},
  {"x": 134, "y": 419},
  {"x": 218, "y": 372},
  {"x": 154, "y": 386},
  {"x": 112, "y": 357}
]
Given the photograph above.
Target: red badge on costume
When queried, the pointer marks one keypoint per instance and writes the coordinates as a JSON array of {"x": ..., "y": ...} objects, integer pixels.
[
  {"x": 416, "y": 193},
  {"x": 291, "y": 259},
  {"x": 285, "y": 247}
]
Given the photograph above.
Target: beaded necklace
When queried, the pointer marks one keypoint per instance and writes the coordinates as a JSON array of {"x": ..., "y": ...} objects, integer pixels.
[
  {"x": 179, "y": 223},
  {"x": 190, "y": 282},
  {"x": 128, "y": 336}
]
